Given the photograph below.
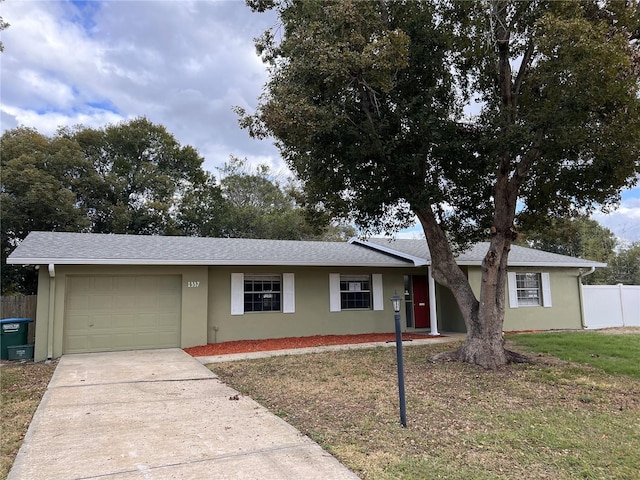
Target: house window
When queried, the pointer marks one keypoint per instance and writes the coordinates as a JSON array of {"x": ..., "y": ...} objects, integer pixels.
[
  {"x": 528, "y": 289},
  {"x": 355, "y": 292},
  {"x": 262, "y": 293}
]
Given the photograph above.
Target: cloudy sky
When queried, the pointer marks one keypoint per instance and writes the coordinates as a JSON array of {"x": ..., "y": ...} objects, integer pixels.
[{"x": 182, "y": 64}]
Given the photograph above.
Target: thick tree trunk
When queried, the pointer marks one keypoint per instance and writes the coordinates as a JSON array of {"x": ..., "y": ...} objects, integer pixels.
[{"x": 483, "y": 317}]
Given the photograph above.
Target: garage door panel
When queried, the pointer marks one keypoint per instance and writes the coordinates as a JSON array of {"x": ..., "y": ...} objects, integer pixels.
[
  {"x": 77, "y": 322},
  {"x": 122, "y": 313},
  {"x": 79, "y": 302},
  {"x": 77, "y": 343},
  {"x": 100, "y": 322},
  {"x": 123, "y": 321},
  {"x": 147, "y": 303},
  {"x": 123, "y": 285},
  {"x": 169, "y": 302},
  {"x": 100, "y": 342},
  {"x": 101, "y": 284}
]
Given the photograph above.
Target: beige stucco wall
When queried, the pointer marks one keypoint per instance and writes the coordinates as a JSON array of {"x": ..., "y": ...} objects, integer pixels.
[
  {"x": 565, "y": 312},
  {"x": 312, "y": 315},
  {"x": 51, "y": 313}
]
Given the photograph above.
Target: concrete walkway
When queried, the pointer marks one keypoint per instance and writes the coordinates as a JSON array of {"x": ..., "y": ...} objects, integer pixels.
[{"x": 159, "y": 414}]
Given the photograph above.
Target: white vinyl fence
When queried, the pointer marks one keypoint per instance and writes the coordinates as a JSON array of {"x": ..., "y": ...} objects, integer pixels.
[{"x": 611, "y": 305}]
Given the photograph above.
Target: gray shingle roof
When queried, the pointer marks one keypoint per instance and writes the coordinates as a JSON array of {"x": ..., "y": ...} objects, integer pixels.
[
  {"x": 41, "y": 248},
  {"x": 518, "y": 257},
  {"x": 102, "y": 249}
]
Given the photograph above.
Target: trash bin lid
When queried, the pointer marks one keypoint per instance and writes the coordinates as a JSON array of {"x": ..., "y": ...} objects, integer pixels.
[{"x": 16, "y": 320}]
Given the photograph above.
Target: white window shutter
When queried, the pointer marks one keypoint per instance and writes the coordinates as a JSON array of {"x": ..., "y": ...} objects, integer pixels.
[
  {"x": 378, "y": 295},
  {"x": 546, "y": 289},
  {"x": 513, "y": 289},
  {"x": 288, "y": 293},
  {"x": 237, "y": 294},
  {"x": 334, "y": 292}
]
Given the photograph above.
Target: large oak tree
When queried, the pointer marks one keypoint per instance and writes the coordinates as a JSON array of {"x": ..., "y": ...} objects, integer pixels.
[{"x": 474, "y": 116}]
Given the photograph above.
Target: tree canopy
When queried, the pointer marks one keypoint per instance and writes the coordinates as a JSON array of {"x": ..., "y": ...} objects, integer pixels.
[
  {"x": 478, "y": 117},
  {"x": 135, "y": 178}
]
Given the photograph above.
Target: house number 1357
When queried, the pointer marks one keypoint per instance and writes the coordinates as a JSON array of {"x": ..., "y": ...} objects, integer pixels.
[{"x": 193, "y": 284}]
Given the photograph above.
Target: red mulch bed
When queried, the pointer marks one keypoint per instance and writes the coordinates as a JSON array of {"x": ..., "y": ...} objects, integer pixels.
[{"x": 244, "y": 346}]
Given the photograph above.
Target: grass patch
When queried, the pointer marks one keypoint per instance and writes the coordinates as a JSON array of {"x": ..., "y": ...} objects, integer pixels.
[
  {"x": 21, "y": 388},
  {"x": 549, "y": 421},
  {"x": 614, "y": 354}
]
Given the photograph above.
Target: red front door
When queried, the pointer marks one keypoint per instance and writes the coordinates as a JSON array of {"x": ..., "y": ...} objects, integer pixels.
[{"x": 421, "y": 301}]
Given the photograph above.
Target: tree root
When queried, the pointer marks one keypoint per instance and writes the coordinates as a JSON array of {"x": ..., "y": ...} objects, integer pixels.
[{"x": 457, "y": 356}]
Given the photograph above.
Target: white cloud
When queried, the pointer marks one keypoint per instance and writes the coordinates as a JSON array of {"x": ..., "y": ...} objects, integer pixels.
[
  {"x": 624, "y": 221},
  {"x": 181, "y": 64}
]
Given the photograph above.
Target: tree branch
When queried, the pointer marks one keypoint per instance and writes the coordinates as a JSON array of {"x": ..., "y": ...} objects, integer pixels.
[{"x": 524, "y": 67}]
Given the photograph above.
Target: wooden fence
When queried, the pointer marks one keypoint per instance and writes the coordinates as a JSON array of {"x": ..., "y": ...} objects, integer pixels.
[{"x": 23, "y": 306}]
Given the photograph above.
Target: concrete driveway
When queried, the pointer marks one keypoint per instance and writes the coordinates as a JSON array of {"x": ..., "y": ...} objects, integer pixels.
[{"x": 156, "y": 414}]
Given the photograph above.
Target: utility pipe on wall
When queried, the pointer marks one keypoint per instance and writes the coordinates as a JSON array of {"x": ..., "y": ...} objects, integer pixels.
[
  {"x": 580, "y": 276},
  {"x": 52, "y": 304}
]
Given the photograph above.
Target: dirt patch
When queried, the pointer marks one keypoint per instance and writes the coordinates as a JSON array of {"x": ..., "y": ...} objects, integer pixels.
[{"x": 245, "y": 346}]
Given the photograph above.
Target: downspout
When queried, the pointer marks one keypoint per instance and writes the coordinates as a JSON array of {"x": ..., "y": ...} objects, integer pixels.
[
  {"x": 580, "y": 276},
  {"x": 52, "y": 304}
]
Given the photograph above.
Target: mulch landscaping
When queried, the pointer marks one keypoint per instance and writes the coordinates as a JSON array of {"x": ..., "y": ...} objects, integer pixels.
[{"x": 245, "y": 346}]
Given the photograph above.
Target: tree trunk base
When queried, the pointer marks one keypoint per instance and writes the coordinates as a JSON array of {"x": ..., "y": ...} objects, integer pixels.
[{"x": 461, "y": 355}]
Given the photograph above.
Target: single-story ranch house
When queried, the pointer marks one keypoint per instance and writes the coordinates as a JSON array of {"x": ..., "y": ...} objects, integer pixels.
[{"x": 99, "y": 292}]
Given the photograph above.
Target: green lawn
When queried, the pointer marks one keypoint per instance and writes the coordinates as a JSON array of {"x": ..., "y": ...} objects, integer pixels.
[{"x": 614, "y": 354}]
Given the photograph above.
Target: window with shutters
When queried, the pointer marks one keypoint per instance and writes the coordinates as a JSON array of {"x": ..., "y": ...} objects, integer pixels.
[
  {"x": 355, "y": 292},
  {"x": 528, "y": 289},
  {"x": 262, "y": 293}
]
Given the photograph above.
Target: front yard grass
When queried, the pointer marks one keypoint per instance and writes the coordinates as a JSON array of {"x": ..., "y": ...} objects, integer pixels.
[
  {"x": 551, "y": 420},
  {"x": 615, "y": 354},
  {"x": 21, "y": 388}
]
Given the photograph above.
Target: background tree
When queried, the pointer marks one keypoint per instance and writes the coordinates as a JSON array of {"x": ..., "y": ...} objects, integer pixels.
[
  {"x": 144, "y": 172},
  {"x": 42, "y": 181},
  {"x": 625, "y": 267},
  {"x": 367, "y": 102},
  {"x": 135, "y": 178},
  {"x": 258, "y": 206},
  {"x": 577, "y": 237},
  {"x": 202, "y": 211}
]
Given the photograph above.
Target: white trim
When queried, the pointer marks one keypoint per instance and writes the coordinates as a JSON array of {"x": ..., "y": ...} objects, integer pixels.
[
  {"x": 288, "y": 293},
  {"x": 433, "y": 308},
  {"x": 334, "y": 292},
  {"x": 237, "y": 294},
  {"x": 513, "y": 289},
  {"x": 417, "y": 261},
  {"x": 546, "y": 290},
  {"x": 392, "y": 263},
  {"x": 377, "y": 290}
]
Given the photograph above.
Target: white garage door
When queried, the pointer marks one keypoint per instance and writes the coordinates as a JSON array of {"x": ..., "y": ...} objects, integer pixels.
[{"x": 108, "y": 313}]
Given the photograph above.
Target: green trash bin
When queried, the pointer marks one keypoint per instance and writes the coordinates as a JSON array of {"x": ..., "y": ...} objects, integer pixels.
[{"x": 13, "y": 331}]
